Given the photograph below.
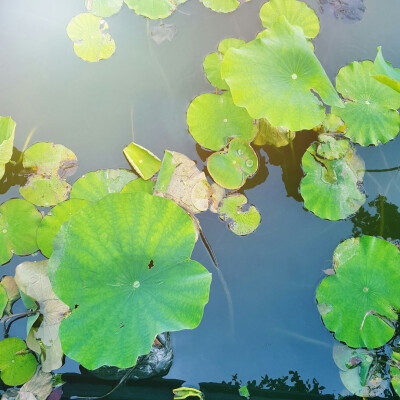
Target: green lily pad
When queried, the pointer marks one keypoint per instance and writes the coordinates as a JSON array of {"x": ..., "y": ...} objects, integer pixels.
[
  {"x": 52, "y": 222},
  {"x": 91, "y": 40},
  {"x": 330, "y": 187},
  {"x": 273, "y": 136},
  {"x": 17, "y": 363},
  {"x": 93, "y": 186},
  {"x": 384, "y": 73},
  {"x": 240, "y": 222},
  {"x": 146, "y": 241},
  {"x": 214, "y": 119},
  {"x": 19, "y": 221},
  {"x": 273, "y": 77},
  {"x": 395, "y": 369},
  {"x": 370, "y": 110},
  {"x": 333, "y": 124},
  {"x": 50, "y": 164},
  {"x": 331, "y": 148},
  {"x": 365, "y": 284},
  {"x": 104, "y": 8},
  {"x": 7, "y": 131},
  {"x": 12, "y": 292},
  {"x": 154, "y": 9},
  {"x": 223, "y": 6},
  {"x": 185, "y": 392},
  {"x": 230, "y": 43},
  {"x": 139, "y": 185},
  {"x": 143, "y": 161},
  {"x": 230, "y": 168},
  {"x": 296, "y": 12}
]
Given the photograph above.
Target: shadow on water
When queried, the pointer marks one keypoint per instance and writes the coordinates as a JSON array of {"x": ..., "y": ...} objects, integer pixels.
[{"x": 14, "y": 173}]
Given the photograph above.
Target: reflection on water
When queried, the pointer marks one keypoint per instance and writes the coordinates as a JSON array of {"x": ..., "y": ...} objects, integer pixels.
[
  {"x": 14, "y": 173},
  {"x": 350, "y": 10}
]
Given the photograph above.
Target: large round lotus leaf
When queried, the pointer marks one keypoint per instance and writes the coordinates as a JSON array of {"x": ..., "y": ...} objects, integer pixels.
[
  {"x": 95, "y": 185},
  {"x": 370, "y": 112},
  {"x": 230, "y": 168},
  {"x": 52, "y": 222},
  {"x": 223, "y": 6},
  {"x": 241, "y": 221},
  {"x": 296, "y": 12},
  {"x": 7, "y": 131},
  {"x": 17, "y": 363},
  {"x": 214, "y": 119},
  {"x": 384, "y": 72},
  {"x": 363, "y": 292},
  {"x": 395, "y": 369},
  {"x": 330, "y": 187},
  {"x": 273, "y": 78},
  {"x": 154, "y": 9},
  {"x": 104, "y": 8},
  {"x": 131, "y": 280},
  {"x": 91, "y": 40},
  {"x": 19, "y": 221}
]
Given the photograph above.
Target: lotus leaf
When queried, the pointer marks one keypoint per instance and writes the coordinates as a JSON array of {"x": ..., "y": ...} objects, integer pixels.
[
  {"x": 3, "y": 300},
  {"x": 362, "y": 292},
  {"x": 229, "y": 43},
  {"x": 12, "y": 292},
  {"x": 39, "y": 386},
  {"x": 223, "y": 6},
  {"x": 330, "y": 187},
  {"x": 52, "y": 222},
  {"x": 296, "y": 12},
  {"x": 95, "y": 185},
  {"x": 33, "y": 281},
  {"x": 104, "y": 8},
  {"x": 182, "y": 182},
  {"x": 273, "y": 77},
  {"x": 370, "y": 110},
  {"x": 230, "y": 168},
  {"x": 19, "y": 221},
  {"x": 154, "y": 9},
  {"x": 91, "y": 40},
  {"x": 384, "y": 72},
  {"x": 333, "y": 124},
  {"x": 395, "y": 369},
  {"x": 240, "y": 222},
  {"x": 17, "y": 363},
  {"x": 146, "y": 241},
  {"x": 214, "y": 119},
  {"x": 331, "y": 148},
  {"x": 143, "y": 161},
  {"x": 270, "y": 135},
  {"x": 185, "y": 392},
  {"x": 7, "y": 131},
  {"x": 139, "y": 185},
  {"x": 50, "y": 164}
]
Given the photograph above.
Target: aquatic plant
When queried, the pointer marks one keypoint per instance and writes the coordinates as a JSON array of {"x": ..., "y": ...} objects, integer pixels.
[
  {"x": 104, "y": 8},
  {"x": 385, "y": 73},
  {"x": 7, "y": 132},
  {"x": 223, "y": 6},
  {"x": 143, "y": 161}
]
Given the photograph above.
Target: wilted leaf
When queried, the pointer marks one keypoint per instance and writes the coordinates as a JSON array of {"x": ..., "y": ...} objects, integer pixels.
[
  {"x": 12, "y": 292},
  {"x": 39, "y": 386}
]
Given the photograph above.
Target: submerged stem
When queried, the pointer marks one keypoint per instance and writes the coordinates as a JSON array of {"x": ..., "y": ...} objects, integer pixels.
[
  {"x": 16, "y": 317},
  {"x": 381, "y": 170}
]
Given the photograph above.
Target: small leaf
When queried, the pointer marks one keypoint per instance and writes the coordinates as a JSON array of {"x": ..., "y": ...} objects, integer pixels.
[
  {"x": 12, "y": 292},
  {"x": 223, "y": 6},
  {"x": 185, "y": 392},
  {"x": 143, "y": 161},
  {"x": 155, "y": 9},
  {"x": 384, "y": 73},
  {"x": 7, "y": 132},
  {"x": 104, "y": 8}
]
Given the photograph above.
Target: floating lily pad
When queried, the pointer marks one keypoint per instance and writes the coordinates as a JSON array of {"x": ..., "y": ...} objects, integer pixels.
[
  {"x": 33, "y": 281},
  {"x": 395, "y": 369},
  {"x": 93, "y": 186},
  {"x": 7, "y": 131},
  {"x": 384, "y": 72},
  {"x": 104, "y": 8},
  {"x": 50, "y": 164},
  {"x": 223, "y": 6},
  {"x": 52, "y": 222},
  {"x": 143, "y": 161},
  {"x": 91, "y": 40},
  {"x": 331, "y": 148},
  {"x": 12, "y": 292},
  {"x": 146, "y": 241},
  {"x": 139, "y": 185},
  {"x": 370, "y": 110},
  {"x": 19, "y": 221},
  {"x": 362, "y": 293},
  {"x": 296, "y": 12},
  {"x": 17, "y": 363},
  {"x": 214, "y": 119},
  {"x": 333, "y": 124},
  {"x": 273, "y": 136},
  {"x": 154, "y": 9},
  {"x": 230, "y": 168},
  {"x": 240, "y": 221},
  {"x": 273, "y": 77},
  {"x": 330, "y": 187}
]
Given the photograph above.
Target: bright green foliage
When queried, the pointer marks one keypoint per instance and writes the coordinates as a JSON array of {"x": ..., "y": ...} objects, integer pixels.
[
  {"x": 19, "y": 221},
  {"x": 7, "y": 131},
  {"x": 229, "y": 43},
  {"x": 104, "y": 8},
  {"x": 362, "y": 292},
  {"x": 395, "y": 369},
  {"x": 3, "y": 300},
  {"x": 91, "y": 40},
  {"x": 17, "y": 363},
  {"x": 95, "y": 185},
  {"x": 50, "y": 164},
  {"x": 214, "y": 119},
  {"x": 296, "y": 12},
  {"x": 330, "y": 185},
  {"x": 273, "y": 77},
  {"x": 223, "y": 6},
  {"x": 134, "y": 275},
  {"x": 52, "y": 222},
  {"x": 331, "y": 148},
  {"x": 154, "y": 9},
  {"x": 185, "y": 392},
  {"x": 333, "y": 124},
  {"x": 143, "y": 161},
  {"x": 12, "y": 292},
  {"x": 384, "y": 72},
  {"x": 271, "y": 135},
  {"x": 139, "y": 185},
  {"x": 230, "y": 168},
  {"x": 370, "y": 110},
  {"x": 240, "y": 222},
  {"x": 244, "y": 392}
]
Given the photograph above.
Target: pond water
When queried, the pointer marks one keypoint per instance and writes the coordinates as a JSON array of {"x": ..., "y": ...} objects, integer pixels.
[{"x": 272, "y": 325}]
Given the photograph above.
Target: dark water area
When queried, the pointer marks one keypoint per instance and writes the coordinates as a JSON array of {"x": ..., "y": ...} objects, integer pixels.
[{"x": 143, "y": 91}]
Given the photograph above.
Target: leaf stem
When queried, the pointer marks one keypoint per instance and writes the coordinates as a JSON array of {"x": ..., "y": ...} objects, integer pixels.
[
  {"x": 16, "y": 317},
  {"x": 380, "y": 170}
]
